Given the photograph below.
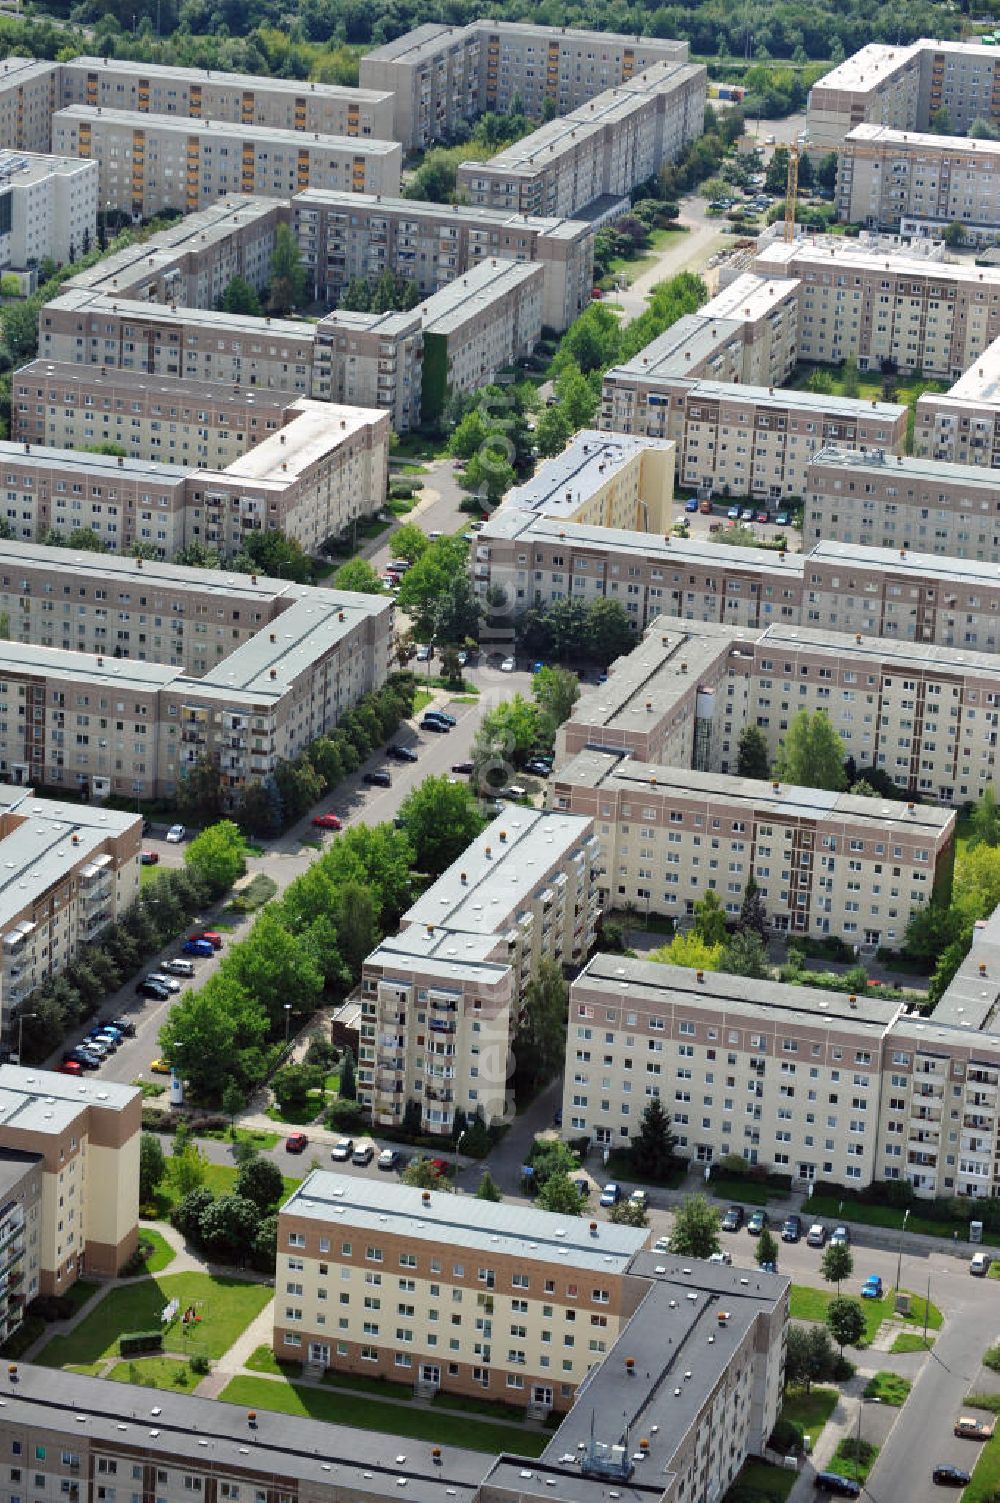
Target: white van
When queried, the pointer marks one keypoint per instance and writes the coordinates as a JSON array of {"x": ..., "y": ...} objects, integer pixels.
[{"x": 979, "y": 1265}]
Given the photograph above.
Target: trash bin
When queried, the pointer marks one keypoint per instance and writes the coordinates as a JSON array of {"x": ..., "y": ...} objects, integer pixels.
[{"x": 975, "y": 1231}]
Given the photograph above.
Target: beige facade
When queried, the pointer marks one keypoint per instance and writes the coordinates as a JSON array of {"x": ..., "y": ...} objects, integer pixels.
[
  {"x": 372, "y": 359},
  {"x": 87, "y": 1135},
  {"x": 962, "y": 426},
  {"x": 52, "y": 207},
  {"x": 602, "y": 480},
  {"x": 821, "y": 860},
  {"x": 27, "y": 99},
  {"x": 605, "y": 147},
  {"x": 442, "y": 75},
  {"x": 884, "y": 501},
  {"x": 878, "y": 305},
  {"x": 887, "y": 177},
  {"x": 153, "y": 162},
  {"x": 345, "y": 235},
  {"x": 442, "y": 999},
  {"x": 20, "y": 1236},
  {"x": 238, "y": 98},
  {"x": 444, "y": 1292},
  {"x": 159, "y": 418}
]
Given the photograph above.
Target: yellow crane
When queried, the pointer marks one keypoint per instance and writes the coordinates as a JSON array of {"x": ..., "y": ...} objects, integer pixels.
[{"x": 791, "y": 191}]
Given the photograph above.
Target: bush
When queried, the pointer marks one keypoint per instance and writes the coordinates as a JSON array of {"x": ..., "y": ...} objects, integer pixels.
[
  {"x": 345, "y": 1114},
  {"x": 199, "y": 1364},
  {"x": 991, "y": 1358},
  {"x": 787, "y": 1437}
]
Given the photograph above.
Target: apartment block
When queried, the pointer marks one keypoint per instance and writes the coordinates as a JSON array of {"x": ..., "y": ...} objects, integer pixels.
[
  {"x": 514, "y": 1283},
  {"x": 440, "y": 75},
  {"x": 86, "y": 1136},
  {"x": 902, "y": 88},
  {"x": 372, "y": 359},
  {"x": 28, "y": 96},
  {"x": 69, "y": 873},
  {"x": 962, "y": 426},
  {"x": 442, "y": 1000},
  {"x": 192, "y": 262},
  {"x": 885, "y": 501},
  {"x": 229, "y": 349},
  {"x": 20, "y": 1249},
  {"x": 879, "y": 306},
  {"x": 153, "y": 418},
  {"x": 236, "y": 98},
  {"x": 149, "y": 163},
  {"x": 669, "y": 835},
  {"x": 605, "y": 147},
  {"x": 48, "y": 208},
  {"x": 602, "y": 480},
  {"x": 887, "y": 177},
  {"x": 345, "y": 235},
  {"x": 475, "y": 326}
]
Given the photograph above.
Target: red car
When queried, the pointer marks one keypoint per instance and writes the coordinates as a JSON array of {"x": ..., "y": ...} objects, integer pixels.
[
  {"x": 328, "y": 822},
  {"x": 210, "y": 937},
  {"x": 148, "y": 858},
  {"x": 70, "y": 1067},
  {"x": 296, "y": 1142}
]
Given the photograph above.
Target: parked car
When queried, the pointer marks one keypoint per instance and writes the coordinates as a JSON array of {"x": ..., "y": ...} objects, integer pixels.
[
  {"x": 721, "y": 1257},
  {"x": 746, "y": 514},
  {"x": 732, "y": 1218},
  {"x": 125, "y": 1026},
  {"x": 840, "y": 1487},
  {"x": 540, "y": 768},
  {"x": 83, "y": 1058},
  {"x": 210, "y": 936},
  {"x": 690, "y": 504},
  {"x": 611, "y": 1194},
  {"x": 424, "y": 653},
  {"x": 197, "y": 947},
  {"x": 816, "y": 1235},
  {"x": 640, "y": 1198},
  {"x": 662, "y": 1244},
  {"x": 762, "y": 516},
  {"x": 465, "y": 767},
  {"x": 979, "y": 1265},
  {"x": 342, "y": 1150},
  {"x": 177, "y": 967},
  {"x": 105, "y": 1030},
  {"x": 296, "y": 1142},
  {"x": 791, "y": 1230},
  {"x": 757, "y": 1223},
  {"x": 967, "y": 1427},
  {"x": 584, "y": 1188},
  {"x": 782, "y": 518},
  {"x": 163, "y": 980},
  {"x": 148, "y": 858},
  {"x": 431, "y": 723},
  {"x": 840, "y": 1237},
  {"x": 175, "y": 834},
  {"x": 388, "y": 1158},
  {"x": 378, "y": 779},
  {"x": 98, "y": 1036},
  {"x": 401, "y": 753},
  {"x": 950, "y": 1476},
  {"x": 70, "y": 1067},
  {"x": 441, "y": 715},
  {"x": 507, "y": 666},
  {"x": 872, "y": 1287},
  {"x": 328, "y": 822},
  {"x": 515, "y": 791},
  {"x": 159, "y": 1067},
  {"x": 363, "y": 1154},
  {"x": 152, "y": 989}
]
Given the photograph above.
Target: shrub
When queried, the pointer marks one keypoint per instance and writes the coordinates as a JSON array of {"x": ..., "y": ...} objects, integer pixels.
[
  {"x": 199, "y": 1364},
  {"x": 991, "y": 1358},
  {"x": 787, "y": 1437},
  {"x": 345, "y": 1114}
]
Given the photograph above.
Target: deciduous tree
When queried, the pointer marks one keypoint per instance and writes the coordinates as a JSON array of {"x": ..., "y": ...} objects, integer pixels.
[
  {"x": 695, "y": 1231},
  {"x": 812, "y": 754},
  {"x": 441, "y": 818},
  {"x": 753, "y": 758},
  {"x": 846, "y": 1320}
]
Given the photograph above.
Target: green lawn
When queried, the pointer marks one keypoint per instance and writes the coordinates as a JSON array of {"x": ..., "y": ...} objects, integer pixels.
[
  {"x": 911, "y": 1341},
  {"x": 745, "y": 1190},
  {"x": 872, "y": 1215},
  {"x": 759, "y": 1478},
  {"x": 263, "y": 1360},
  {"x": 79, "y": 1293},
  {"x": 219, "y": 1178},
  {"x": 226, "y": 1307},
  {"x": 156, "y": 1372},
  {"x": 810, "y": 1411},
  {"x": 985, "y": 1474},
  {"x": 366, "y": 1413},
  {"x": 811, "y": 1304},
  {"x": 161, "y": 1255},
  {"x": 628, "y": 268},
  {"x": 255, "y": 1136},
  {"x": 888, "y": 1388},
  {"x": 852, "y": 1460}
]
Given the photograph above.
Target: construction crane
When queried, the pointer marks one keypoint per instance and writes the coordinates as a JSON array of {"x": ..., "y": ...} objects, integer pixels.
[{"x": 791, "y": 191}]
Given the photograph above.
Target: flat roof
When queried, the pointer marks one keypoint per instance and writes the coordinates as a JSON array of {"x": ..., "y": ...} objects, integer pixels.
[
  {"x": 390, "y": 325},
  {"x": 663, "y": 550},
  {"x": 458, "y": 959},
  {"x": 503, "y": 1228},
  {"x": 923, "y": 657},
  {"x": 778, "y": 398},
  {"x": 21, "y": 1086},
  {"x": 18, "y": 70},
  {"x": 837, "y": 253},
  {"x": 259, "y": 83},
  {"x": 870, "y": 66},
  {"x": 43, "y": 847},
  {"x": 591, "y": 459},
  {"x": 921, "y": 567},
  {"x": 902, "y": 467},
  {"x": 185, "y": 125},
  {"x": 469, "y": 214},
  {"x": 14, "y": 1165},
  {"x": 67, "y": 565},
  {"x": 773, "y": 1007},
  {"x": 500, "y": 874},
  {"x": 905, "y": 141},
  {"x": 316, "y": 429},
  {"x": 469, "y": 296},
  {"x": 758, "y": 798},
  {"x": 100, "y": 304},
  {"x": 981, "y": 382},
  {"x": 90, "y": 466},
  {"x": 309, "y": 627},
  {"x": 749, "y": 297},
  {"x": 179, "y": 392},
  {"x": 17, "y": 168},
  {"x": 428, "y": 38},
  {"x": 680, "y": 349},
  {"x": 171, "y": 1426}
]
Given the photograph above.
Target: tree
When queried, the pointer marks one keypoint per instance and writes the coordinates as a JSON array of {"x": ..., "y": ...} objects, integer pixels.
[
  {"x": 503, "y": 742},
  {"x": 710, "y": 918},
  {"x": 846, "y": 1321},
  {"x": 409, "y": 541},
  {"x": 441, "y": 818},
  {"x": 273, "y": 966},
  {"x": 186, "y": 1215},
  {"x": 767, "y": 1249},
  {"x": 457, "y": 612},
  {"x": 488, "y": 1188},
  {"x": 348, "y": 1083},
  {"x": 188, "y": 1169},
  {"x": 422, "y": 1174},
  {"x": 288, "y": 277},
  {"x": 653, "y": 1145},
  {"x": 265, "y": 1245},
  {"x": 292, "y": 1085},
  {"x": 850, "y": 381},
  {"x": 199, "y": 790},
  {"x": 954, "y": 235},
  {"x": 985, "y": 820},
  {"x": 218, "y": 855},
  {"x": 695, "y": 1231},
  {"x": 215, "y": 1034},
  {"x": 836, "y": 1264},
  {"x": 197, "y": 555},
  {"x": 489, "y": 474},
  {"x": 428, "y": 580},
  {"x": 609, "y": 630},
  {"x": 355, "y": 919},
  {"x": 688, "y": 950},
  {"x": 228, "y": 1228},
  {"x": 541, "y": 1037},
  {"x": 826, "y": 172},
  {"x": 753, "y": 914},
  {"x": 628, "y": 1213},
  {"x": 809, "y": 1356},
  {"x": 555, "y": 691},
  {"x": 812, "y": 754},
  {"x": 551, "y": 1156},
  {"x": 233, "y": 1102},
  {"x": 754, "y": 760},
  {"x": 744, "y": 955},
  {"x": 259, "y": 1181},
  {"x": 559, "y": 1194},
  {"x": 152, "y": 1166},
  {"x": 240, "y": 297},
  {"x": 358, "y": 575}
]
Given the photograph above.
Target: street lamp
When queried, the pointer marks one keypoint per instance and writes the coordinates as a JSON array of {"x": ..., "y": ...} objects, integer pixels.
[
  {"x": 288, "y": 1020},
  {"x": 20, "y": 1031},
  {"x": 899, "y": 1255},
  {"x": 458, "y": 1144}
]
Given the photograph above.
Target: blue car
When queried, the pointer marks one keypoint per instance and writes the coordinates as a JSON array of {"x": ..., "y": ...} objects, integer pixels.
[
  {"x": 872, "y": 1287},
  {"x": 690, "y": 504},
  {"x": 197, "y": 947}
]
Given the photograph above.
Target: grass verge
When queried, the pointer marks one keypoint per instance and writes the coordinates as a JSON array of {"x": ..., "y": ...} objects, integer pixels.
[
  {"x": 421, "y": 699},
  {"x": 862, "y": 1214},
  {"x": 367, "y": 1413},
  {"x": 761, "y": 1480},
  {"x": 911, "y": 1341},
  {"x": 810, "y": 1411},
  {"x": 160, "y": 1255},
  {"x": 156, "y": 1372},
  {"x": 854, "y": 1458},
  {"x": 888, "y": 1388}
]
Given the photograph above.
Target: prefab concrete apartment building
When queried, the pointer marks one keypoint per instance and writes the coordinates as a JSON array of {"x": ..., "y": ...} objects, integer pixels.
[
  {"x": 48, "y": 208},
  {"x": 887, "y": 177}
]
